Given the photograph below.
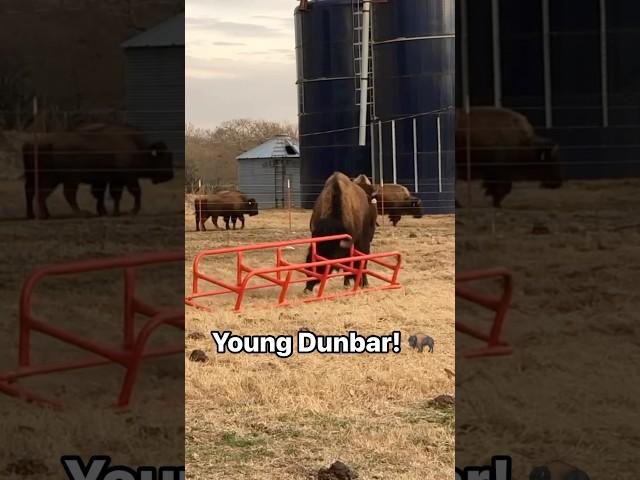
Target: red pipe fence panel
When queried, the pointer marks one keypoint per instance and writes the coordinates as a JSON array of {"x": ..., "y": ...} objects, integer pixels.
[
  {"x": 133, "y": 349},
  {"x": 495, "y": 345},
  {"x": 281, "y": 274}
]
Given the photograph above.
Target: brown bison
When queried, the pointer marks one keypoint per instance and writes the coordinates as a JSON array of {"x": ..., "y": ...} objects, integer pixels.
[
  {"x": 396, "y": 200},
  {"x": 342, "y": 207},
  {"x": 227, "y": 204},
  {"x": 101, "y": 156},
  {"x": 504, "y": 148}
]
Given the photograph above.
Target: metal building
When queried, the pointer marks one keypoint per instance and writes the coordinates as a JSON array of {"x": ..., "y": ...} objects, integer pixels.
[
  {"x": 270, "y": 173},
  {"x": 155, "y": 84},
  {"x": 376, "y": 94},
  {"x": 575, "y": 76}
]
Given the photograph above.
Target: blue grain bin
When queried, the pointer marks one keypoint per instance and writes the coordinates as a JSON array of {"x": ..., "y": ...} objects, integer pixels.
[
  {"x": 414, "y": 73},
  {"x": 327, "y": 95}
]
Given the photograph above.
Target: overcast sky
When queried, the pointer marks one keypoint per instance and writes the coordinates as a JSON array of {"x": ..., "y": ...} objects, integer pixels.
[{"x": 240, "y": 61}]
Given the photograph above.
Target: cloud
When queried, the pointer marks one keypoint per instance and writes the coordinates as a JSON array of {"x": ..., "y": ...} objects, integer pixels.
[
  {"x": 229, "y": 44},
  {"x": 214, "y": 25},
  {"x": 249, "y": 90}
]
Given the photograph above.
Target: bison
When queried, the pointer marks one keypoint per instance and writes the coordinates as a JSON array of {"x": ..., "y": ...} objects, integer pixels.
[
  {"x": 227, "y": 204},
  {"x": 396, "y": 200},
  {"x": 342, "y": 207},
  {"x": 101, "y": 156},
  {"x": 504, "y": 148}
]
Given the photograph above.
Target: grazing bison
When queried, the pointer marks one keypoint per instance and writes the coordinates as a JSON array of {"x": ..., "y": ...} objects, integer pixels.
[
  {"x": 397, "y": 201},
  {"x": 342, "y": 207},
  {"x": 504, "y": 148},
  {"x": 226, "y": 204},
  {"x": 101, "y": 156}
]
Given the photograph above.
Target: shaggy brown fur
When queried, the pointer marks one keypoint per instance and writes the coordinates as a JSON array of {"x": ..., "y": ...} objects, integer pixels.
[
  {"x": 342, "y": 207},
  {"x": 397, "y": 201},
  {"x": 227, "y": 204},
  {"x": 504, "y": 148},
  {"x": 98, "y": 154}
]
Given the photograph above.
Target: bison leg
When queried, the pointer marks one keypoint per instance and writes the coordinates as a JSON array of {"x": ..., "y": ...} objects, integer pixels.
[
  {"x": 70, "y": 195},
  {"x": 98, "y": 191},
  {"x": 134, "y": 189},
  {"x": 242, "y": 221},
  {"x": 115, "y": 190},
  {"x": 394, "y": 219},
  {"x": 214, "y": 219},
  {"x": 43, "y": 211},
  {"x": 29, "y": 193},
  {"x": 311, "y": 283},
  {"x": 226, "y": 223}
]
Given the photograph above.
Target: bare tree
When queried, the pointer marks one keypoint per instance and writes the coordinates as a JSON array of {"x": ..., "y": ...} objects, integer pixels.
[{"x": 213, "y": 152}]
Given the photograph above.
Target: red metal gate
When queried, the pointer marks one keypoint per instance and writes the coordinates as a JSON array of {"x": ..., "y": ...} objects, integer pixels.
[
  {"x": 495, "y": 345},
  {"x": 129, "y": 355},
  {"x": 280, "y": 274}
]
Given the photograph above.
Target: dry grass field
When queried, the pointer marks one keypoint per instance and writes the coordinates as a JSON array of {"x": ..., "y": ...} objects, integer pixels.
[
  {"x": 262, "y": 417},
  {"x": 151, "y": 432},
  {"x": 570, "y": 390}
]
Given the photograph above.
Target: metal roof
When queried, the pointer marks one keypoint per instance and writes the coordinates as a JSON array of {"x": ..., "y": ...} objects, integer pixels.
[
  {"x": 280, "y": 146},
  {"x": 169, "y": 33}
]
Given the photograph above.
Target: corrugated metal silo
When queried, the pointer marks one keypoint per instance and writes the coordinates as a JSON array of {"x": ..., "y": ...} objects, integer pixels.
[
  {"x": 412, "y": 83},
  {"x": 414, "y": 76},
  {"x": 327, "y": 95}
]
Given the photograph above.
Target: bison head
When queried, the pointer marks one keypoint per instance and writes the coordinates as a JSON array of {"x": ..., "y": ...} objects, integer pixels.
[
  {"x": 416, "y": 207},
  {"x": 550, "y": 168},
  {"x": 160, "y": 163},
  {"x": 365, "y": 184},
  {"x": 252, "y": 207}
]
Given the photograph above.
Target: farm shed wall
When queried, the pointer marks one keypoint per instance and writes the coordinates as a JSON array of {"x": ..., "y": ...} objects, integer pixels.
[
  {"x": 155, "y": 84},
  {"x": 265, "y": 179}
]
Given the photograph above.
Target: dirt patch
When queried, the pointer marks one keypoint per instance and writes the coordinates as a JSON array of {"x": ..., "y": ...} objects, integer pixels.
[
  {"x": 369, "y": 410},
  {"x": 573, "y": 326},
  {"x": 90, "y": 305}
]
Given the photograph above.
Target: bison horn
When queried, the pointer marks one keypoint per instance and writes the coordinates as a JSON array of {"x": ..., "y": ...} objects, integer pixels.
[{"x": 374, "y": 201}]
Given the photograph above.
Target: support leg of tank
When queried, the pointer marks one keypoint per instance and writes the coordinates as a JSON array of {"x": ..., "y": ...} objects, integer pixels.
[
  {"x": 115, "y": 190},
  {"x": 134, "y": 189},
  {"x": 98, "y": 191}
]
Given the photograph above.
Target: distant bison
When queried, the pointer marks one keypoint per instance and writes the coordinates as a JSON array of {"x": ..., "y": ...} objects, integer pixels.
[
  {"x": 342, "y": 207},
  {"x": 504, "y": 148},
  {"x": 229, "y": 205},
  {"x": 101, "y": 155},
  {"x": 396, "y": 200}
]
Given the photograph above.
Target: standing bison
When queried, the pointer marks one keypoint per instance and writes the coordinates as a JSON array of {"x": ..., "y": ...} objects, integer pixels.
[
  {"x": 392, "y": 199},
  {"x": 101, "y": 156},
  {"x": 396, "y": 200},
  {"x": 226, "y": 204},
  {"x": 504, "y": 148},
  {"x": 342, "y": 207}
]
